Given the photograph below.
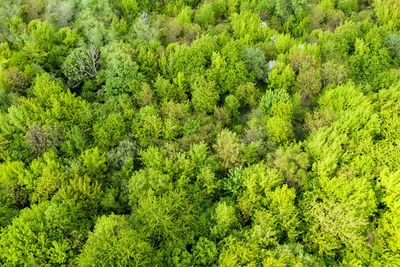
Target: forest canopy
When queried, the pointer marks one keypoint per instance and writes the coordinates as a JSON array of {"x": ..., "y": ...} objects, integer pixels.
[{"x": 200, "y": 133}]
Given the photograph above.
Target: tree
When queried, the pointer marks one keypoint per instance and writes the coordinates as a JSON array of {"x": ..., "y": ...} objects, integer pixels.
[
  {"x": 38, "y": 236},
  {"x": 259, "y": 182},
  {"x": 301, "y": 59},
  {"x": 205, "y": 15},
  {"x": 388, "y": 14},
  {"x": 125, "y": 151},
  {"x": 292, "y": 254},
  {"x": 129, "y": 7},
  {"x": 9, "y": 10},
  {"x": 75, "y": 142},
  {"x": 279, "y": 125},
  {"x": 348, "y": 6},
  {"x": 272, "y": 97},
  {"x": 165, "y": 217},
  {"x": 119, "y": 72},
  {"x": 293, "y": 163},
  {"x": 43, "y": 34},
  {"x": 282, "y": 78},
  {"x": 59, "y": 12},
  {"x": 288, "y": 9},
  {"x": 40, "y": 138},
  {"x": 148, "y": 180},
  {"x": 81, "y": 196},
  {"x": 221, "y": 132},
  {"x": 15, "y": 80},
  {"x": 392, "y": 43},
  {"x": 333, "y": 73},
  {"x": 80, "y": 64},
  {"x": 205, "y": 252},
  {"x": 204, "y": 95},
  {"x": 147, "y": 60},
  {"x": 208, "y": 183},
  {"x": 232, "y": 105},
  {"x": 339, "y": 214},
  {"x": 144, "y": 30},
  {"x": 167, "y": 91},
  {"x": 94, "y": 164},
  {"x": 365, "y": 64},
  {"x": 128, "y": 247},
  {"x": 149, "y": 127},
  {"x": 31, "y": 9},
  {"x": 145, "y": 96},
  {"x": 225, "y": 219},
  {"x": 13, "y": 194},
  {"x": 44, "y": 177},
  {"x": 389, "y": 234},
  {"x": 248, "y": 94},
  {"x": 255, "y": 62},
  {"x": 228, "y": 149},
  {"x": 248, "y": 27},
  {"x": 285, "y": 212},
  {"x": 233, "y": 184},
  {"x": 107, "y": 133},
  {"x": 308, "y": 83},
  {"x": 236, "y": 253}
]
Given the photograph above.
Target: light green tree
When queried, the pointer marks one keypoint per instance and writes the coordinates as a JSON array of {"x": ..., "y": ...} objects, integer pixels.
[{"x": 114, "y": 242}]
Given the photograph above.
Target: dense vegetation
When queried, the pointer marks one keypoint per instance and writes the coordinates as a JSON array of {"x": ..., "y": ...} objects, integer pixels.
[{"x": 199, "y": 133}]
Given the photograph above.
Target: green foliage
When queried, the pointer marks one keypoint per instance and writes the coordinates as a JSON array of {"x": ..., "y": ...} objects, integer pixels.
[
  {"x": 333, "y": 73},
  {"x": 365, "y": 64},
  {"x": 40, "y": 138},
  {"x": 255, "y": 61},
  {"x": 165, "y": 217},
  {"x": 205, "y": 252},
  {"x": 281, "y": 77},
  {"x": 225, "y": 219},
  {"x": 390, "y": 182},
  {"x": 205, "y": 15},
  {"x": 129, "y": 247},
  {"x": 234, "y": 182},
  {"x": 94, "y": 163},
  {"x": 239, "y": 253},
  {"x": 388, "y": 12},
  {"x": 148, "y": 180},
  {"x": 15, "y": 80},
  {"x": 45, "y": 176},
  {"x": 14, "y": 194},
  {"x": 43, "y": 34},
  {"x": 120, "y": 71},
  {"x": 107, "y": 133},
  {"x": 293, "y": 163},
  {"x": 340, "y": 215},
  {"x": 37, "y": 236},
  {"x": 144, "y": 30},
  {"x": 272, "y": 97},
  {"x": 199, "y": 133},
  {"x": 208, "y": 182},
  {"x": 247, "y": 94},
  {"x": 308, "y": 83},
  {"x": 232, "y": 105},
  {"x": 287, "y": 9},
  {"x": 393, "y": 45},
  {"x": 228, "y": 149},
  {"x": 129, "y": 7},
  {"x": 125, "y": 151},
  {"x": 247, "y": 26},
  {"x": 348, "y": 6},
  {"x": 279, "y": 125},
  {"x": 204, "y": 95}
]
